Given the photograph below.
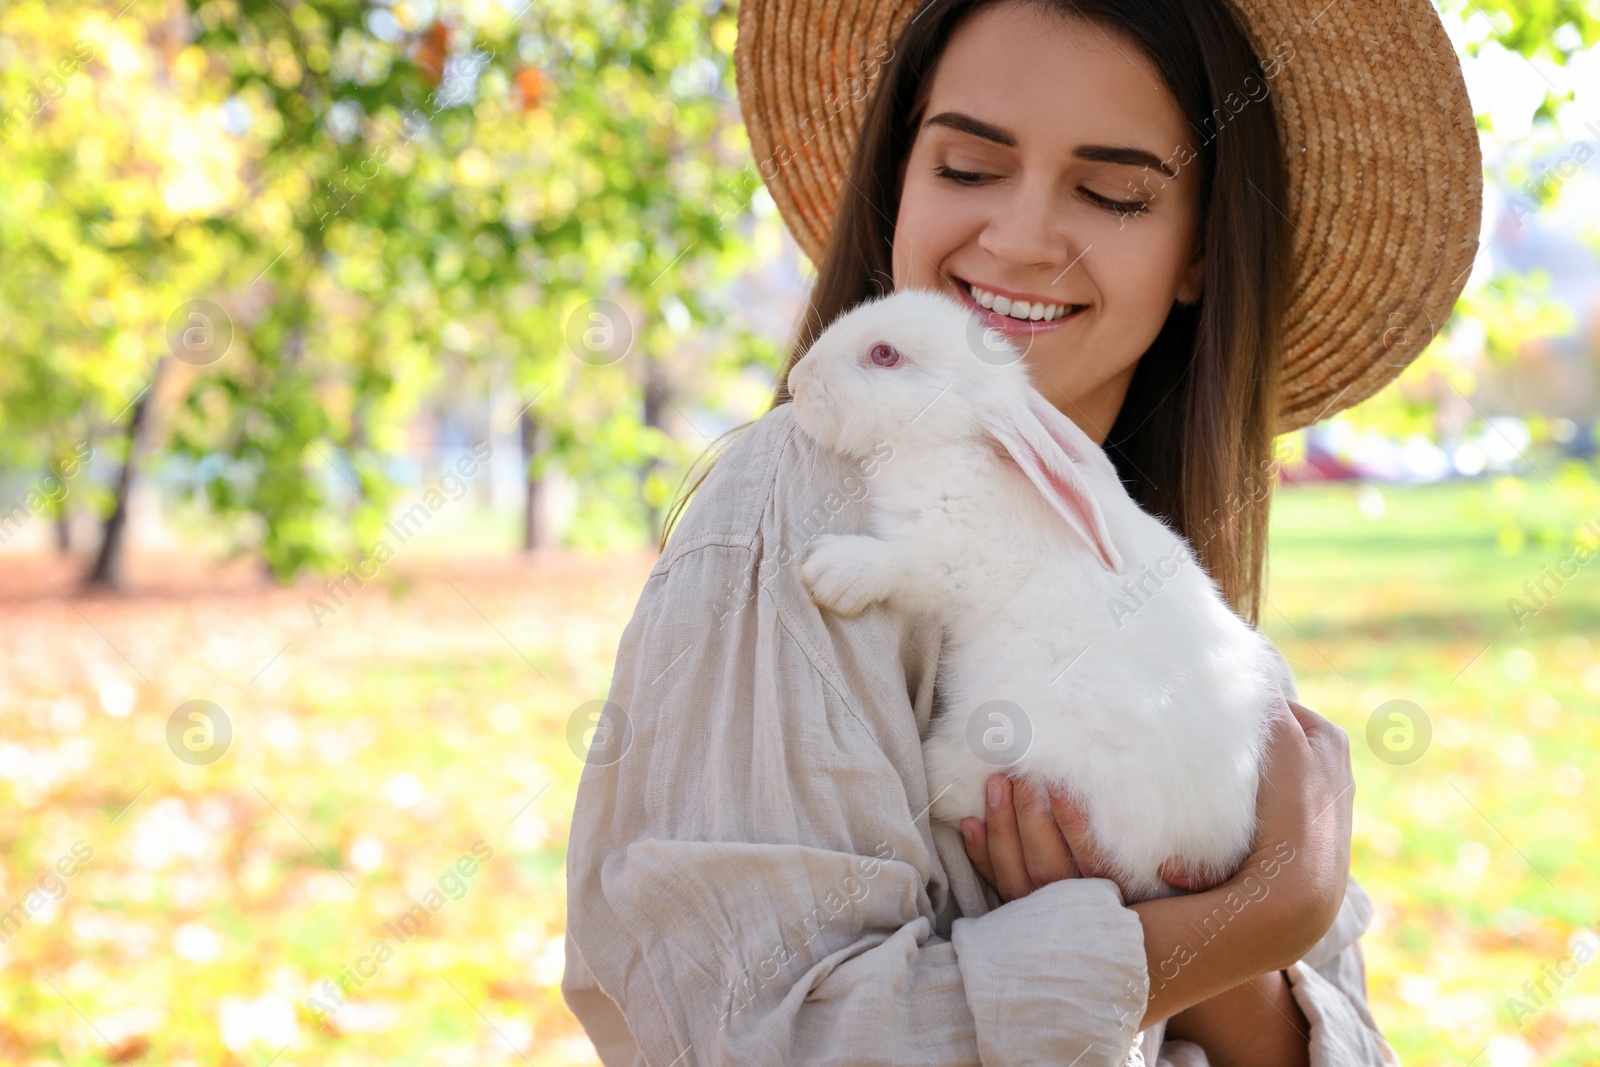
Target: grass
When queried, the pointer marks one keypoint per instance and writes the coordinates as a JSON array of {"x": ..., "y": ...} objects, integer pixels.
[
  {"x": 428, "y": 717},
  {"x": 1482, "y": 854}
]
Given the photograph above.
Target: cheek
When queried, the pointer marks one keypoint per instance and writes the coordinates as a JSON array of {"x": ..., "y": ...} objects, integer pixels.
[
  {"x": 1134, "y": 273},
  {"x": 1141, "y": 268},
  {"x": 931, "y": 224}
]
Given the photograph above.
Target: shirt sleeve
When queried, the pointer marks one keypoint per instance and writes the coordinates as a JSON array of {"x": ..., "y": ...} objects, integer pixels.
[
  {"x": 1330, "y": 985},
  {"x": 749, "y": 872}
]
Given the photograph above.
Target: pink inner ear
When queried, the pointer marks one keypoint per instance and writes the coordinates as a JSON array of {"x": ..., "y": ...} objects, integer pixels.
[
  {"x": 1064, "y": 432},
  {"x": 1066, "y": 491}
]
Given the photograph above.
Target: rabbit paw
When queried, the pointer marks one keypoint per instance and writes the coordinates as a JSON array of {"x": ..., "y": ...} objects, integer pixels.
[
  {"x": 956, "y": 779},
  {"x": 846, "y": 572}
]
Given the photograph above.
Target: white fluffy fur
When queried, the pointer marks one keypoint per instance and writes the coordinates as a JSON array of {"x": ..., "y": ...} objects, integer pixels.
[{"x": 1160, "y": 721}]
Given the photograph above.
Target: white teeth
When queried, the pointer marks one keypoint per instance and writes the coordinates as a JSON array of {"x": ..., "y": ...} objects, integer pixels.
[{"x": 1019, "y": 309}]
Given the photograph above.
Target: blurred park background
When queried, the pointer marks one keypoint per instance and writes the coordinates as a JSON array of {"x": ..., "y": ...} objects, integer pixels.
[{"x": 350, "y": 354}]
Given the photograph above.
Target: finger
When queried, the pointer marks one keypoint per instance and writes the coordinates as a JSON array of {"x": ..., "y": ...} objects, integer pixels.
[
  {"x": 1322, "y": 735},
  {"x": 1005, "y": 844},
  {"x": 1317, "y": 729},
  {"x": 1288, "y": 744},
  {"x": 1313, "y": 728},
  {"x": 972, "y": 833},
  {"x": 1074, "y": 827},
  {"x": 1288, "y": 723},
  {"x": 1308, "y": 720},
  {"x": 1044, "y": 850},
  {"x": 1175, "y": 874}
]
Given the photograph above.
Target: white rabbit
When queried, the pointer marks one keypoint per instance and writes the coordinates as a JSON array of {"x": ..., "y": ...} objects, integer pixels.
[{"x": 1085, "y": 645}]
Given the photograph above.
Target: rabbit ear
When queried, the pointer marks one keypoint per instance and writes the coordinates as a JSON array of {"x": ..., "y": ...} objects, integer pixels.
[
  {"x": 1073, "y": 441},
  {"x": 1049, "y": 454}
]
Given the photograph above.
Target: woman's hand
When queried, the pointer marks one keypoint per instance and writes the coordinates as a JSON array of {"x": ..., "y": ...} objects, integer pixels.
[
  {"x": 1023, "y": 843},
  {"x": 1033, "y": 837}
]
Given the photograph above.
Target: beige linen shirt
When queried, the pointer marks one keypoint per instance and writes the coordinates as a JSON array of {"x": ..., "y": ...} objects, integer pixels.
[{"x": 752, "y": 877}]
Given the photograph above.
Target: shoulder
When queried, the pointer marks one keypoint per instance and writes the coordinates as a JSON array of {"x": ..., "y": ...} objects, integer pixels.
[
  {"x": 730, "y": 574},
  {"x": 726, "y": 509},
  {"x": 770, "y": 491}
]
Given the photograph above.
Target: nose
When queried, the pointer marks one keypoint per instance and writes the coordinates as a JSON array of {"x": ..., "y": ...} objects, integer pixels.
[{"x": 1026, "y": 231}]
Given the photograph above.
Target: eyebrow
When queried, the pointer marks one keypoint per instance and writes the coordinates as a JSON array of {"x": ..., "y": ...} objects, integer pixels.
[{"x": 1125, "y": 155}]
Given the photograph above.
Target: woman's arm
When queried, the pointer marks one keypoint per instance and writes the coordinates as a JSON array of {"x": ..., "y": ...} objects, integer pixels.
[
  {"x": 1328, "y": 989},
  {"x": 1257, "y": 1021}
]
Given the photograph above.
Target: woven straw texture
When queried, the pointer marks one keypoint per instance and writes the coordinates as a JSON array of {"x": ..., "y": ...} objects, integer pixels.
[{"x": 1385, "y": 173}]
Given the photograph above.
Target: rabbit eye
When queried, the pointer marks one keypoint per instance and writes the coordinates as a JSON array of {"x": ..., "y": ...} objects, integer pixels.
[{"x": 884, "y": 355}]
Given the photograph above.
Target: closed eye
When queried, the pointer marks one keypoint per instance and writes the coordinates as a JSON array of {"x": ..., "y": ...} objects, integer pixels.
[{"x": 972, "y": 177}]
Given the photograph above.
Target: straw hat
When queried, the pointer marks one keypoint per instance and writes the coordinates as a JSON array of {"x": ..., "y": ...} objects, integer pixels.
[{"x": 1385, "y": 175}]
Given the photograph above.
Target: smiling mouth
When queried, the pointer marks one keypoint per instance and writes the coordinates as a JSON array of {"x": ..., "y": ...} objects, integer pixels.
[{"x": 1016, "y": 314}]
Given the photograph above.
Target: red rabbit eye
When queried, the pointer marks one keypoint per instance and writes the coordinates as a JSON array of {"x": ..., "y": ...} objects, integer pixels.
[{"x": 884, "y": 355}]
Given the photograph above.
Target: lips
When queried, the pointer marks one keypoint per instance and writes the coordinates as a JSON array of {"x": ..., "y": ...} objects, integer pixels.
[{"x": 1009, "y": 323}]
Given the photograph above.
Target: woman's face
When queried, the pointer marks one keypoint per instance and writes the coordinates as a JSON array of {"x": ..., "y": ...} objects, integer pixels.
[{"x": 1051, "y": 165}]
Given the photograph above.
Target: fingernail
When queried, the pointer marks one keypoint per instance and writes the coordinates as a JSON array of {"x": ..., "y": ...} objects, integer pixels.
[
  {"x": 994, "y": 794},
  {"x": 966, "y": 832}
]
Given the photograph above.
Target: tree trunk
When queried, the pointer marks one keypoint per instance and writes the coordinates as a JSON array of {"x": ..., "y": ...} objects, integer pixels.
[
  {"x": 63, "y": 530},
  {"x": 107, "y": 572},
  {"x": 533, "y": 493}
]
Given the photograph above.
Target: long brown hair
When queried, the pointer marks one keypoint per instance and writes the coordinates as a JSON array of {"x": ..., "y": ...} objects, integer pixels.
[{"x": 1193, "y": 439}]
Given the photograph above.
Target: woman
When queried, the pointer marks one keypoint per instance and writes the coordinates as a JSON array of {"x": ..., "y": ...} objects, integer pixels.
[{"x": 752, "y": 876}]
